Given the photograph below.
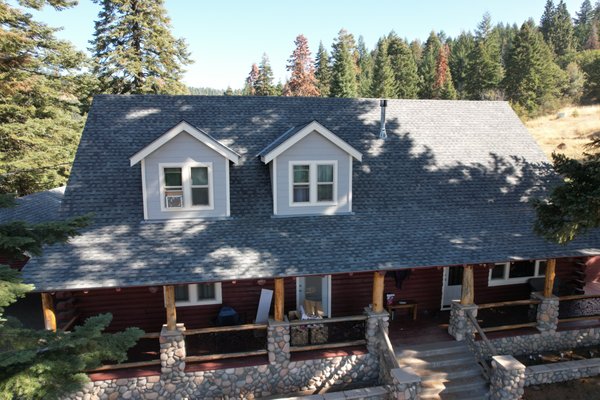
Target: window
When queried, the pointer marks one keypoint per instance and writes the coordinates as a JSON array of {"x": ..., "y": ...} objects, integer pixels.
[
  {"x": 313, "y": 183},
  {"x": 516, "y": 272},
  {"x": 198, "y": 294},
  {"x": 186, "y": 186}
]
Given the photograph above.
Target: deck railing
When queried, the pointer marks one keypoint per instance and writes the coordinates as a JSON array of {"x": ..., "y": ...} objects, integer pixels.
[
  {"x": 327, "y": 333},
  {"x": 221, "y": 342},
  {"x": 529, "y": 315},
  {"x": 579, "y": 308}
]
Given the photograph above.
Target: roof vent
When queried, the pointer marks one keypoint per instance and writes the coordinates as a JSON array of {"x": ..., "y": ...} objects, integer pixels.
[{"x": 382, "y": 132}]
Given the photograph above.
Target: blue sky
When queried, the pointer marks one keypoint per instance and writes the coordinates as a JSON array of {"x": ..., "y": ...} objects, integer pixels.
[{"x": 226, "y": 37}]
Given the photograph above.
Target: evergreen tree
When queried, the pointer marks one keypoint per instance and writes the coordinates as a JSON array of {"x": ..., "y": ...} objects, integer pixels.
[
  {"x": 404, "y": 67},
  {"x": 560, "y": 36},
  {"x": 323, "y": 71},
  {"x": 134, "y": 50},
  {"x": 43, "y": 94},
  {"x": 383, "y": 84},
  {"x": 574, "y": 206},
  {"x": 593, "y": 40},
  {"x": 485, "y": 64},
  {"x": 443, "y": 88},
  {"x": 44, "y": 364},
  {"x": 547, "y": 20},
  {"x": 459, "y": 62},
  {"x": 532, "y": 77},
  {"x": 302, "y": 81},
  {"x": 365, "y": 68},
  {"x": 589, "y": 62},
  {"x": 343, "y": 76},
  {"x": 583, "y": 23},
  {"x": 249, "y": 86},
  {"x": 417, "y": 50},
  {"x": 428, "y": 66},
  {"x": 263, "y": 85}
]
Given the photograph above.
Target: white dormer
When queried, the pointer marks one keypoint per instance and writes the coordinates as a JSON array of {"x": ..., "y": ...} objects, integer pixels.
[
  {"x": 185, "y": 174},
  {"x": 311, "y": 171}
]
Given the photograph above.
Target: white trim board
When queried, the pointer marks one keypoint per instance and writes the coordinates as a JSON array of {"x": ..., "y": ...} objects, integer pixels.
[
  {"x": 192, "y": 131},
  {"x": 314, "y": 126}
]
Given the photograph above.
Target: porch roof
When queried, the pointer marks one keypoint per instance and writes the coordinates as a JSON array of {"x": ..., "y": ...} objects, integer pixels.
[{"x": 450, "y": 185}]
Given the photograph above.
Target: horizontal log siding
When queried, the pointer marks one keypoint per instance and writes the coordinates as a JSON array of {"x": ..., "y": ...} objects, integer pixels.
[{"x": 139, "y": 307}]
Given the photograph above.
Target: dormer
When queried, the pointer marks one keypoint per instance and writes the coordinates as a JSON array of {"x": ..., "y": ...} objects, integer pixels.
[
  {"x": 185, "y": 174},
  {"x": 311, "y": 171}
]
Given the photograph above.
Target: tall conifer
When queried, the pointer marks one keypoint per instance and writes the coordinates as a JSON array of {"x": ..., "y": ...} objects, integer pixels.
[
  {"x": 343, "y": 77},
  {"x": 583, "y": 23},
  {"x": 404, "y": 67},
  {"x": 428, "y": 65},
  {"x": 302, "y": 81},
  {"x": 42, "y": 94},
  {"x": 249, "y": 89},
  {"x": 383, "y": 84},
  {"x": 134, "y": 50},
  {"x": 443, "y": 87},
  {"x": 365, "y": 68},
  {"x": 323, "y": 71},
  {"x": 459, "y": 62},
  {"x": 263, "y": 85}
]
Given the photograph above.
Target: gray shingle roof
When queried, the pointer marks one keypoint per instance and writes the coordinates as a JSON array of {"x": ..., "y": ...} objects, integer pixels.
[
  {"x": 450, "y": 185},
  {"x": 35, "y": 208}
]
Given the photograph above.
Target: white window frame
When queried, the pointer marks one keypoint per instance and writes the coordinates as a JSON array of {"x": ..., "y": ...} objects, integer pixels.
[
  {"x": 513, "y": 281},
  {"x": 312, "y": 183},
  {"x": 193, "y": 296},
  {"x": 186, "y": 181}
]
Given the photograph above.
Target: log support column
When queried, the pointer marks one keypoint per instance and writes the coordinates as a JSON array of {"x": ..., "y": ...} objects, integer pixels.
[
  {"x": 378, "y": 283},
  {"x": 547, "y": 310},
  {"x": 460, "y": 325},
  {"x": 49, "y": 314},
  {"x": 169, "y": 292},
  {"x": 279, "y": 300}
]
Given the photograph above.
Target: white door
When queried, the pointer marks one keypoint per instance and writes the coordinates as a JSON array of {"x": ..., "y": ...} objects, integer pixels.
[
  {"x": 451, "y": 286},
  {"x": 315, "y": 288}
]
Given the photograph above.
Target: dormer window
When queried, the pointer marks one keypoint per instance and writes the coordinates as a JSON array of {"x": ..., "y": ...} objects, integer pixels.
[
  {"x": 186, "y": 186},
  {"x": 313, "y": 183}
]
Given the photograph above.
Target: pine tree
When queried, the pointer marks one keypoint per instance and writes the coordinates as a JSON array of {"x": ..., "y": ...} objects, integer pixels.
[
  {"x": 249, "y": 86},
  {"x": 263, "y": 85},
  {"x": 43, "y": 95},
  {"x": 417, "y": 50},
  {"x": 404, "y": 67},
  {"x": 485, "y": 63},
  {"x": 302, "y": 81},
  {"x": 323, "y": 71},
  {"x": 383, "y": 84},
  {"x": 583, "y": 23},
  {"x": 443, "y": 88},
  {"x": 547, "y": 20},
  {"x": 532, "y": 77},
  {"x": 134, "y": 50},
  {"x": 44, "y": 364},
  {"x": 343, "y": 75},
  {"x": 574, "y": 206},
  {"x": 428, "y": 66},
  {"x": 593, "y": 40},
  {"x": 560, "y": 36},
  {"x": 459, "y": 62},
  {"x": 365, "y": 68}
]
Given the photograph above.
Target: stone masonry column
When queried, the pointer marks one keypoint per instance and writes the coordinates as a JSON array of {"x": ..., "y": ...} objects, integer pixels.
[
  {"x": 278, "y": 341},
  {"x": 172, "y": 352},
  {"x": 508, "y": 378},
  {"x": 547, "y": 312},
  {"x": 459, "y": 325},
  {"x": 372, "y": 329}
]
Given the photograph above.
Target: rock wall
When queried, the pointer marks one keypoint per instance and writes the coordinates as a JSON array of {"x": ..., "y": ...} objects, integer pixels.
[
  {"x": 562, "y": 371},
  {"x": 508, "y": 378}
]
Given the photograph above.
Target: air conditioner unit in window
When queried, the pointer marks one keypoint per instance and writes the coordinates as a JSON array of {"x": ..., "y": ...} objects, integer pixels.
[{"x": 174, "y": 200}]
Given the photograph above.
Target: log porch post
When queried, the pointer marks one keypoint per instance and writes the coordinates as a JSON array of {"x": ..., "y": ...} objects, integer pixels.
[
  {"x": 550, "y": 274},
  {"x": 468, "y": 290},
  {"x": 169, "y": 292},
  {"x": 279, "y": 300},
  {"x": 378, "y": 283},
  {"x": 49, "y": 315}
]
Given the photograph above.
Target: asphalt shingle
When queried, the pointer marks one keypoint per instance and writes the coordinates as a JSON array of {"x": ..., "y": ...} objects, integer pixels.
[{"x": 450, "y": 185}]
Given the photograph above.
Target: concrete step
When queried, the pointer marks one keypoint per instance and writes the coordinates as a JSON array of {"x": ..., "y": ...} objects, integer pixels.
[
  {"x": 438, "y": 361},
  {"x": 477, "y": 388},
  {"x": 468, "y": 371},
  {"x": 432, "y": 349}
]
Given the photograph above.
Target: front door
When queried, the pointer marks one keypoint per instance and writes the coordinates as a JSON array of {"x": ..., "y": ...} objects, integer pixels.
[
  {"x": 315, "y": 288},
  {"x": 451, "y": 286}
]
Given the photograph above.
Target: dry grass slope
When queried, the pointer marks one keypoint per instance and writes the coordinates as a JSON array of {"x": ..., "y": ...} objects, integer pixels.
[{"x": 567, "y": 131}]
